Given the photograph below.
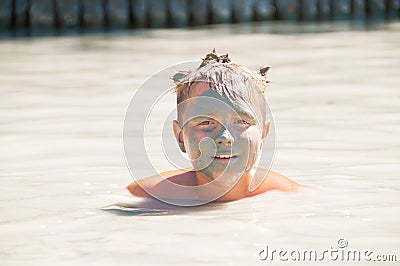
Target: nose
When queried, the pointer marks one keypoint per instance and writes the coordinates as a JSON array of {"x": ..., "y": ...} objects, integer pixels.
[{"x": 224, "y": 137}]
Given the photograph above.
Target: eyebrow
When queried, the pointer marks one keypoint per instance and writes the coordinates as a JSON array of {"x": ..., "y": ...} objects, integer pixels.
[
  {"x": 245, "y": 114},
  {"x": 208, "y": 115},
  {"x": 241, "y": 113}
]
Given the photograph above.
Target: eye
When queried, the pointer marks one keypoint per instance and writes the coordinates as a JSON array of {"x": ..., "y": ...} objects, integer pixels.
[
  {"x": 242, "y": 122},
  {"x": 205, "y": 123}
]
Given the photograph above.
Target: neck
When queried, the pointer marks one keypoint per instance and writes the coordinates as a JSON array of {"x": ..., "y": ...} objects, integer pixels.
[{"x": 225, "y": 190}]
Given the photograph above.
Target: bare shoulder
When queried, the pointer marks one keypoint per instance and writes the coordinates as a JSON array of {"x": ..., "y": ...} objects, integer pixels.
[
  {"x": 141, "y": 187},
  {"x": 275, "y": 181}
]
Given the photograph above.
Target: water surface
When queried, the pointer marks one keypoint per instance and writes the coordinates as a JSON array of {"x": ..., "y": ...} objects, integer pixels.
[{"x": 335, "y": 99}]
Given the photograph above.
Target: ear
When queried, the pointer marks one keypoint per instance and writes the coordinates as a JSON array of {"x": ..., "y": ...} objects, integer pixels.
[
  {"x": 266, "y": 130},
  {"x": 178, "y": 135}
]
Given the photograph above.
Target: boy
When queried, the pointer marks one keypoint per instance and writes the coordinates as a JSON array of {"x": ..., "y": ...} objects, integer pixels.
[{"x": 221, "y": 126}]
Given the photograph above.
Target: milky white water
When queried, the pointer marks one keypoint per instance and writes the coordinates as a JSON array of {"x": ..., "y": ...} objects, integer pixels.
[{"x": 335, "y": 99}]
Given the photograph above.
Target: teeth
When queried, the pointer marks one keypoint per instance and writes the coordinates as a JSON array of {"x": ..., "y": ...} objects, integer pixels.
[{"x": 224, "y": 156}]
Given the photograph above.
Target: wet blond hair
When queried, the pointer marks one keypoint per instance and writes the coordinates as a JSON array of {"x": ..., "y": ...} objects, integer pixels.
[{"x": 233, "y": 80}]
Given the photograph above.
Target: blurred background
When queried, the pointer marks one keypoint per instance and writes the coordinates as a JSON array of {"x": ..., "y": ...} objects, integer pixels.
[{"x": 62, "y": 15}]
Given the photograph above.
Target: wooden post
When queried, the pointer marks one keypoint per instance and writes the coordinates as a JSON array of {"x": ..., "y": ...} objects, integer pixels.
[
  {"x": 139, "y": 10},
  {"x": 264, "y": 10},
  {"x": 5, "y": 14},
  {"x": 42, "y": 14},
  {"x": 199, "y": 11},
  {"x": 287, "y": 9},
  {"x": 117, "y": 13},
  {"x": 220, "y": 11},
  {"x": 324, "y": 9},
  {"x": 93, "y": 13},
  {"x": 158, "y": 13},
  {"x": 359, "y": 9},
  {"x": 21, "y": 13},
  {"x": 179, "y": 13},
  {"x": 242, "y": 10},
  {"x": 67, "y": 13},
  {"x": 376, "y": 9},
  {"x": 393, "y": 9},
  {"x": 309, "y": 9},
  {"x": 341, "y": 9}
]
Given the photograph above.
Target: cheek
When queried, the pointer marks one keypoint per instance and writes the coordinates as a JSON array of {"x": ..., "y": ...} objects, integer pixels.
[
  {"x": 251, "y": 142},
  {"x": 252, "y": 136},
  {"x": 192, "y": 141}
]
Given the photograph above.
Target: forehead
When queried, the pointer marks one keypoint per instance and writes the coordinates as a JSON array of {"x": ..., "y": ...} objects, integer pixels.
[
  {"x": 199, "y": 88},
  {"x": 205, "y": 99}
]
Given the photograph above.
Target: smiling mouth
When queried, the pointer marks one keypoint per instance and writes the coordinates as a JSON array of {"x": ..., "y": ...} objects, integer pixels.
[{"x": 224, "y": 156}]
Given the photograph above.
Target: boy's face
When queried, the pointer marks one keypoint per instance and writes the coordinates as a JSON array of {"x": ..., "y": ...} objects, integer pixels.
[{"x": 222, "y": 137}]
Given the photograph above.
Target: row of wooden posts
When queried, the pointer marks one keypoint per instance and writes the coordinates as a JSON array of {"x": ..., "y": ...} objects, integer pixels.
[{"x": 42, "y": 14}]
